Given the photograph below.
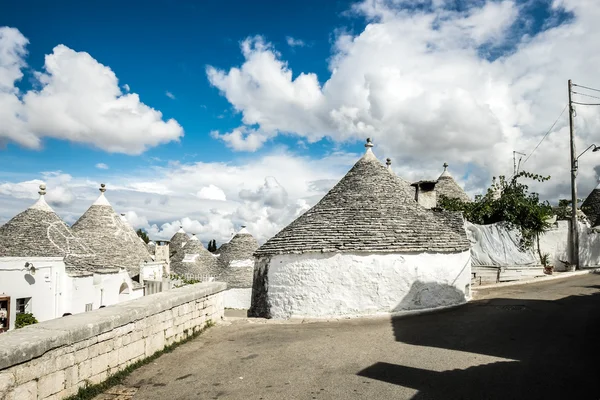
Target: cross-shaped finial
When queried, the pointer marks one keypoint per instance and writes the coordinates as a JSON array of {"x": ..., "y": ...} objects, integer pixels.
[
  {"x": 102, "y": 188},
  {"x": 42, "y": 190},
  {"x": 445, "y": 166}
]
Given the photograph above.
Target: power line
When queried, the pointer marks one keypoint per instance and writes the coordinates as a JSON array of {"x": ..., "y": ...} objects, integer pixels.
[
  {"x": 546, "y": 135},
  {"x": 586, "y": 87},
  {"x": 587, "y": 95},
  {"x": 586, "y": 104}
]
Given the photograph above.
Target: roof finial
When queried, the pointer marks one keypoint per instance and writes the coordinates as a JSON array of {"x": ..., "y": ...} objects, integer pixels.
[
  {"x": 368, "y": 144},
  {"x": 102, "y": 188},
  {"x": 445, "y": 166},
  {"x": 243, "y": 226},
  {"x": 388, "y": 162},
  {"x": 42, "y": 190}
]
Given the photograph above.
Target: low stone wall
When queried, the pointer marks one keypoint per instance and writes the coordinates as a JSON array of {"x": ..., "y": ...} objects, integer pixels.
[{"x": 53, "y": 359}]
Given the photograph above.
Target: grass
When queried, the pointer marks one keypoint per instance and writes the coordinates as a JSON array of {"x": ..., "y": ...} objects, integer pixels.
[{"x": 90, "y": 391}]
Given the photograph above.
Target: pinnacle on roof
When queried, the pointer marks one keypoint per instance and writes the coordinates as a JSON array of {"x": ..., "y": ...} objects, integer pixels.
[
  {"x": 388, "y": 162},
  {"x": 113, "y": 240},
  {"x": 369, "y": 210},
  {"x": 448, "y": 187},
  {"x": 39, "y": 232}
]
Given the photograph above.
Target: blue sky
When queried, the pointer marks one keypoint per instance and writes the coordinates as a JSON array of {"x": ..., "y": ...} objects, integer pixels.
[
  {"x": 156, "y": 47},
  {"x": 292, "y": 88}
]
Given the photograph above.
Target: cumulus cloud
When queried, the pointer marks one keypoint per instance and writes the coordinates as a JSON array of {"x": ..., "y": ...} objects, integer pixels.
[
  {"x": 212, "y": 192},
  {"x": 432, "y": 84},
  {"x": 242, "y": 139},
  {"x": 264, "y": 194},
  {"x": 292, "y": 42},
  {"x": 101, "y": 166},
  {"x": 76, "y": 98}
]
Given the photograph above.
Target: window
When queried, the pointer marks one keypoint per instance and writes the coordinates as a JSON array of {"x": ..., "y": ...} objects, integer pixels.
[
  {"x": 24, "y": 305},
  {"x": 88, "y": 307}
]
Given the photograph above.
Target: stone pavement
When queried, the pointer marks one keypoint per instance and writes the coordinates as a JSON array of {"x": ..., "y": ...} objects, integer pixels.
[{"x": 534, "y": 341}]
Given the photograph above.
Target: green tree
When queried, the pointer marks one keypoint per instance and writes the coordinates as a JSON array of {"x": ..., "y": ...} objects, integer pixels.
[
  {"x": 142, "y": 233},
  {"x": 212, "y": 245},
  {"x": 508, "y": 201}
]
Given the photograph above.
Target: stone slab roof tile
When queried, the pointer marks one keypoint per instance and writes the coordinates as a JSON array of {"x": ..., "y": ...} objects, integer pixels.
[{"x": 369, "y": 210}]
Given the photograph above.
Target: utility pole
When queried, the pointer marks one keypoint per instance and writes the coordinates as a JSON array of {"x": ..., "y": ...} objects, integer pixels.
[
  {"x": 574, "y": 230},
  {"x": 515, "y": 168}
]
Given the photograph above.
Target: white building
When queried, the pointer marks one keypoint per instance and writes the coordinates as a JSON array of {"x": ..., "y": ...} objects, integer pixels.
[
  {"x": 48, "y": 271},
  {"x": 366, "y": 248}
]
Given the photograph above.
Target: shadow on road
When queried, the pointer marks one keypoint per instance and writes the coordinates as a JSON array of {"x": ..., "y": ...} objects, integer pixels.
[{"x": 554, "y": 345}]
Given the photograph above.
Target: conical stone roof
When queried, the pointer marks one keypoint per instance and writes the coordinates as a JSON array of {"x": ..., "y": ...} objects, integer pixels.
[
  {"x": 39, "y": 232},
  {"x": 114, "y": 242},
  {"x": 194, "y": 259},
  {"x": 236, "y": 260},
  {"x": 447, "y": 186},
  {"x": 179, "y": 239},
  {"x": 369, "y": 210},
  {"x": 591, "y": 206}
]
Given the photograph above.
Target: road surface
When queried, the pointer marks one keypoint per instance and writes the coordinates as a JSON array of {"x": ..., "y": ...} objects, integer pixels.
[{"x": 521, "y": 342}]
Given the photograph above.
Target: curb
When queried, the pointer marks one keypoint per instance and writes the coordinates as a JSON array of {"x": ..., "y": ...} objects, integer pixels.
[{"x": 563, "y": 275}]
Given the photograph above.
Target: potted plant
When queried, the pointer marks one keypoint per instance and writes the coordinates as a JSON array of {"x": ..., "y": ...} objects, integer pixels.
[{"x": 545, "y": 260}]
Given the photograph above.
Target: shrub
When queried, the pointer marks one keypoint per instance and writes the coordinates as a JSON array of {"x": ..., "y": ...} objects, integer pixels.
[{"x": 25, "y": 319}]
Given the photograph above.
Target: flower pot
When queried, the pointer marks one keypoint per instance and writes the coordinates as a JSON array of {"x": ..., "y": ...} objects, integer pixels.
[{"x": 548, "y": 269}]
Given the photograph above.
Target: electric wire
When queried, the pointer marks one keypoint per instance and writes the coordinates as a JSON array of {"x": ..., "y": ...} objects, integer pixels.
[
  {"x": 587, "y": 95},
  {"x": 586, "y": 87},
  {"x": 546, "y": 135},
  {"x": 586, "y": 104}
]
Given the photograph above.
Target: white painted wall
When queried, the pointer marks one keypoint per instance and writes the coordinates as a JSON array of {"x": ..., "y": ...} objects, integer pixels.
[
  {"x": 43, "y": 287},
  {"x": 556, "y": 243},
  {"x": 346, "y": 284},
  {"x": 238, "y": 298},
  {"x": 152, "y": 271},
  {"x": 78, "y": 291}
]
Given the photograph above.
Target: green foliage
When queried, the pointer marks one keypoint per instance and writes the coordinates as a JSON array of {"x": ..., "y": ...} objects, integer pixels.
[
  {"x": 24, "y": 319},
  {"x": 545, "y": 259},
  {"x": 563, "y": 211},
  {"x": 183, "y": 280},
  {"x": 507, "y": 201},
  {"x": 142, "y": 233}
]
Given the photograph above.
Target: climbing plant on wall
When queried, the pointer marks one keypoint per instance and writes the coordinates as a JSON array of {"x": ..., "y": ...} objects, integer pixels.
[{"x": 509, "y": 201}]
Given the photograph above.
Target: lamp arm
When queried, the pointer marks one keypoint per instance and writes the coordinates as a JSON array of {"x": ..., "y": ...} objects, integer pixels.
[{"x": 591, "y": 145}]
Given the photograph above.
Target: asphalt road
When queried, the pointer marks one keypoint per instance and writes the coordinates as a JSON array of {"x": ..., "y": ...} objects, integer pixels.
[{"x": 522, "y": 342}]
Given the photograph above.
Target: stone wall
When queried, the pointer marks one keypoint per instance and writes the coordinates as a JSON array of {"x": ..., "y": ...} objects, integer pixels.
[{"x": 53, "y": 359}]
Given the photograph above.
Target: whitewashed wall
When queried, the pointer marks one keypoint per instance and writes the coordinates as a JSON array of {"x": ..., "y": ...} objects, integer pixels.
[
  {"x": 345, "y": 284},
  {"x": 237, "y": 298},
  {"x": 152, "y": 271},
  {"x": 78, "y": 291},
  {"x": 43, "y": 287}
]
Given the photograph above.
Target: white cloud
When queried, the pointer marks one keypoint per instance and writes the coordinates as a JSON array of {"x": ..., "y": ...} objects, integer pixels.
[
  {"x": 292, "y": 42},
  {"x": 212, "y": 192},
  {"x": 170, "y": 95},
  {"x": 101, "y": 166},
  {"x": 265, "y": 194},
  {"x": 242, "y": 139},
  {"x": 126, "y": 88},
  {"x": 77, "y": 99},
  {"x": 419, "y": 82}
]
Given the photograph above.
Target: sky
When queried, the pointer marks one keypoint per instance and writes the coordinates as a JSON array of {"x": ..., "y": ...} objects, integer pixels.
[{"x": 215, "y": 114}]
